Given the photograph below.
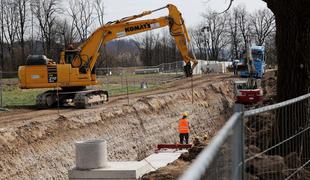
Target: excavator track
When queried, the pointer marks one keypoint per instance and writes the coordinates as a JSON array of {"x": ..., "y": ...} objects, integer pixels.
[
  {"x": 79, "y": 99},
  {"x": 90, "y": 98}
]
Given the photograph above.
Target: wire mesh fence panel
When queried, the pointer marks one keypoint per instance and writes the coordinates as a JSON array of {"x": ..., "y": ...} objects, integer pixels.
[
  {"x": 228, "y": 162},
  {"x": 269, "y": 143},
  {"x": 118, "y": 80},
  {"x": 9, "y": 74},
  {"x": 220, "y": 169},
  {"x": 277, "y": 141},
  {"x": 222, "y": 159}
]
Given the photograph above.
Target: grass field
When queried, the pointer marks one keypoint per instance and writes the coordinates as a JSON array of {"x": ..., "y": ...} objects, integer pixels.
[
  {"x": 19, "y": 97},
  {"x": 27, "y": 97},
  {"x": 13, "y": 96}
]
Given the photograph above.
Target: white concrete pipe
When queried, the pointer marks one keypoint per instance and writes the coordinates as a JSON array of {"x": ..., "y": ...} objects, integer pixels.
[{"x": 91, "y": 154}]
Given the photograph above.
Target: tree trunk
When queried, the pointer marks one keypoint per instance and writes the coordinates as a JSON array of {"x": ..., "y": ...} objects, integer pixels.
[
  {"x": 293, "y": 45},
  {"x": 293, "y": 54}
]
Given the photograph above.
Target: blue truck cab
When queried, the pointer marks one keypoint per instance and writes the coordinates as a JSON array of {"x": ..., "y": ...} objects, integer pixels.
[{"x": 258, "y": 55}]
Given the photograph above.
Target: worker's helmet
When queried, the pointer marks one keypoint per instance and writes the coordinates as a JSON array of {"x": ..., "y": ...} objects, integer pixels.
[{"x": 185, "y": 114}]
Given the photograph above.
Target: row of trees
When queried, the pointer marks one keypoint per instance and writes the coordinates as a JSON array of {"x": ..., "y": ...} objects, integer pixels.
[
  {"x": 44, "y": 27},
  {"x": 217, "y": 37},
  {"x": 232, "y": 31},
  {"x": 48, "y": 26}
]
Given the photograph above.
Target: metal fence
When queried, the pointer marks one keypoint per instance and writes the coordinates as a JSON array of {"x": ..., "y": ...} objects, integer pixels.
[
  {"x": 121, "y": 79},
  {"x": 117, "y": 81},
  {"x": 271, "y": 142}
]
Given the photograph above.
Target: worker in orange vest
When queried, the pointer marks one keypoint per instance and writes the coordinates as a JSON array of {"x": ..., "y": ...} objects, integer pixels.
[{"x": 184, "y": 128}]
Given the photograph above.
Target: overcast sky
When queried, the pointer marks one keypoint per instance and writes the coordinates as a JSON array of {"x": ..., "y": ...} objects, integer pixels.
[{"x": 190, "y": 9}]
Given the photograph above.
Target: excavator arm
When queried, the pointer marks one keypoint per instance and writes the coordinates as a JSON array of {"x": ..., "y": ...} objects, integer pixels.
[{"x": 88, "y": 52}]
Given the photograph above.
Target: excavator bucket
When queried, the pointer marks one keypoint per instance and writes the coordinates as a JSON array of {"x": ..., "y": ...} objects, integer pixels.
[{"x": 188, "y": 70}]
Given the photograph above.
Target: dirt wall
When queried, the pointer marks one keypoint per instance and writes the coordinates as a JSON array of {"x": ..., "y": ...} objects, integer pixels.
[{"x": 45, "y": 149}]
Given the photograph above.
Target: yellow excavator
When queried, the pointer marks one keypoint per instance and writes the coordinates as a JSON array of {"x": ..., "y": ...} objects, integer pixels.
[{"x": 76, "y": 68}]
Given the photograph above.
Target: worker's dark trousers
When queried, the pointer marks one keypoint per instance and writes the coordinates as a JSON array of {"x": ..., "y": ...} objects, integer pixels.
[
  {"x": 184, "y": 137},
  {"x": 235, "y": 71}
]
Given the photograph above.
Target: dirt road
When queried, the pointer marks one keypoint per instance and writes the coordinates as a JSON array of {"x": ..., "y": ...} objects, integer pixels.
[{"x": 16, "y": 117}]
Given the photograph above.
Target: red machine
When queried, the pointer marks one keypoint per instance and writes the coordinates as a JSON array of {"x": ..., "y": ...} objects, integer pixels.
[
  {"x": 173, "y": 146},
  {"x": 247, "y": 95}
]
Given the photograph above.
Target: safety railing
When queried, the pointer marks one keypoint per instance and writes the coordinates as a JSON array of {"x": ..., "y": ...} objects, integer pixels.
[{"x": 271, "y": 142}]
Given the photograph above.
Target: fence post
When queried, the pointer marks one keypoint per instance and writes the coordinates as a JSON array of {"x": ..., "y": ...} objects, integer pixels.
[
  {"x": 1, "y": 89},
  {"x": 238, "y": 146},
  {"x": 108, "y": 81},
  {"x": 127, "y": 90}
]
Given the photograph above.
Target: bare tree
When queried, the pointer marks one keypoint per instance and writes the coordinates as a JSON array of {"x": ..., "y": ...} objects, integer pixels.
[
  {"x": 218, "y": 33},
  {"x": 99, "y": 7},
  {"x": 271, "y": 50},
  {"x": 263, "y": 24},
  {"x": 45, "y": 12},
  {"x": 244, "y": 25},
  {"x": 66, "y": 32},
  {"x": 11, "y": 25},
  {"x": 81, "y": 12},
  {"x": 234, "y": 33},
  {"x": 22, "y": 13},
  {"x": 163, "y": 47},
  {"x": 2, "y": 34},
  {"x": 146, "y": 44},
  {"x": 199, "y": 40}
]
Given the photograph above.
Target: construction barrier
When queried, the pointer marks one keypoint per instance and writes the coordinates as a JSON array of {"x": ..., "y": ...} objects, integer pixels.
[{"x": 271, "y": 142}]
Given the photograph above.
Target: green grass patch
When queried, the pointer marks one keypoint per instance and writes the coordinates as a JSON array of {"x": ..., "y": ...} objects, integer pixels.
[
  {"x": 13, "y": 96},
  {"x": 117, "y": 89},
  {"x": 20, "y": 97}
]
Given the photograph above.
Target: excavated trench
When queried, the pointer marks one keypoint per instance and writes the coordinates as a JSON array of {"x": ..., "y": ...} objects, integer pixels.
[{"x": 45, "y": 149}]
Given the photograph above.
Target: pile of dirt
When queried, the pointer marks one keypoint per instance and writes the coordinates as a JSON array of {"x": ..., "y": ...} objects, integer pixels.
[
  {"x": 194, "y": 151},
  {"x": 265, "y": 166},
  {"x": 42, "y": 147},
  {"x": 269, "y": 85}
]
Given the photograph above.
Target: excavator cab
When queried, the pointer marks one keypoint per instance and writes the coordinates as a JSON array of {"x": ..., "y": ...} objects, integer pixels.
[{"x": 71, "y": 56}]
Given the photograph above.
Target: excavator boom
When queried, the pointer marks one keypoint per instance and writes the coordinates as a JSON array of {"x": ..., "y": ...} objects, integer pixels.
[{"x": 126, "y": 27}]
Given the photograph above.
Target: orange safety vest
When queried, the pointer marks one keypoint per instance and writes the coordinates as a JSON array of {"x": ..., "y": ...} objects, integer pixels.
[{"x": 183, "y": 126}]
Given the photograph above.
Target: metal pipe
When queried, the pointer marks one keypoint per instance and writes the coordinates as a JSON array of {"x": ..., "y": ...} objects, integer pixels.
[
  {"x": 158, "y": 9},
  {"x": 275, "y": 106}
]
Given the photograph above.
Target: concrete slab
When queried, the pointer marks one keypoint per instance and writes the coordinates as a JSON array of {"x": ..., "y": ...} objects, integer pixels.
[
  {"x": 161, "y": 159},
  {"x": 115, "y": 170},
  {"x": 129, "y": 169}
]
